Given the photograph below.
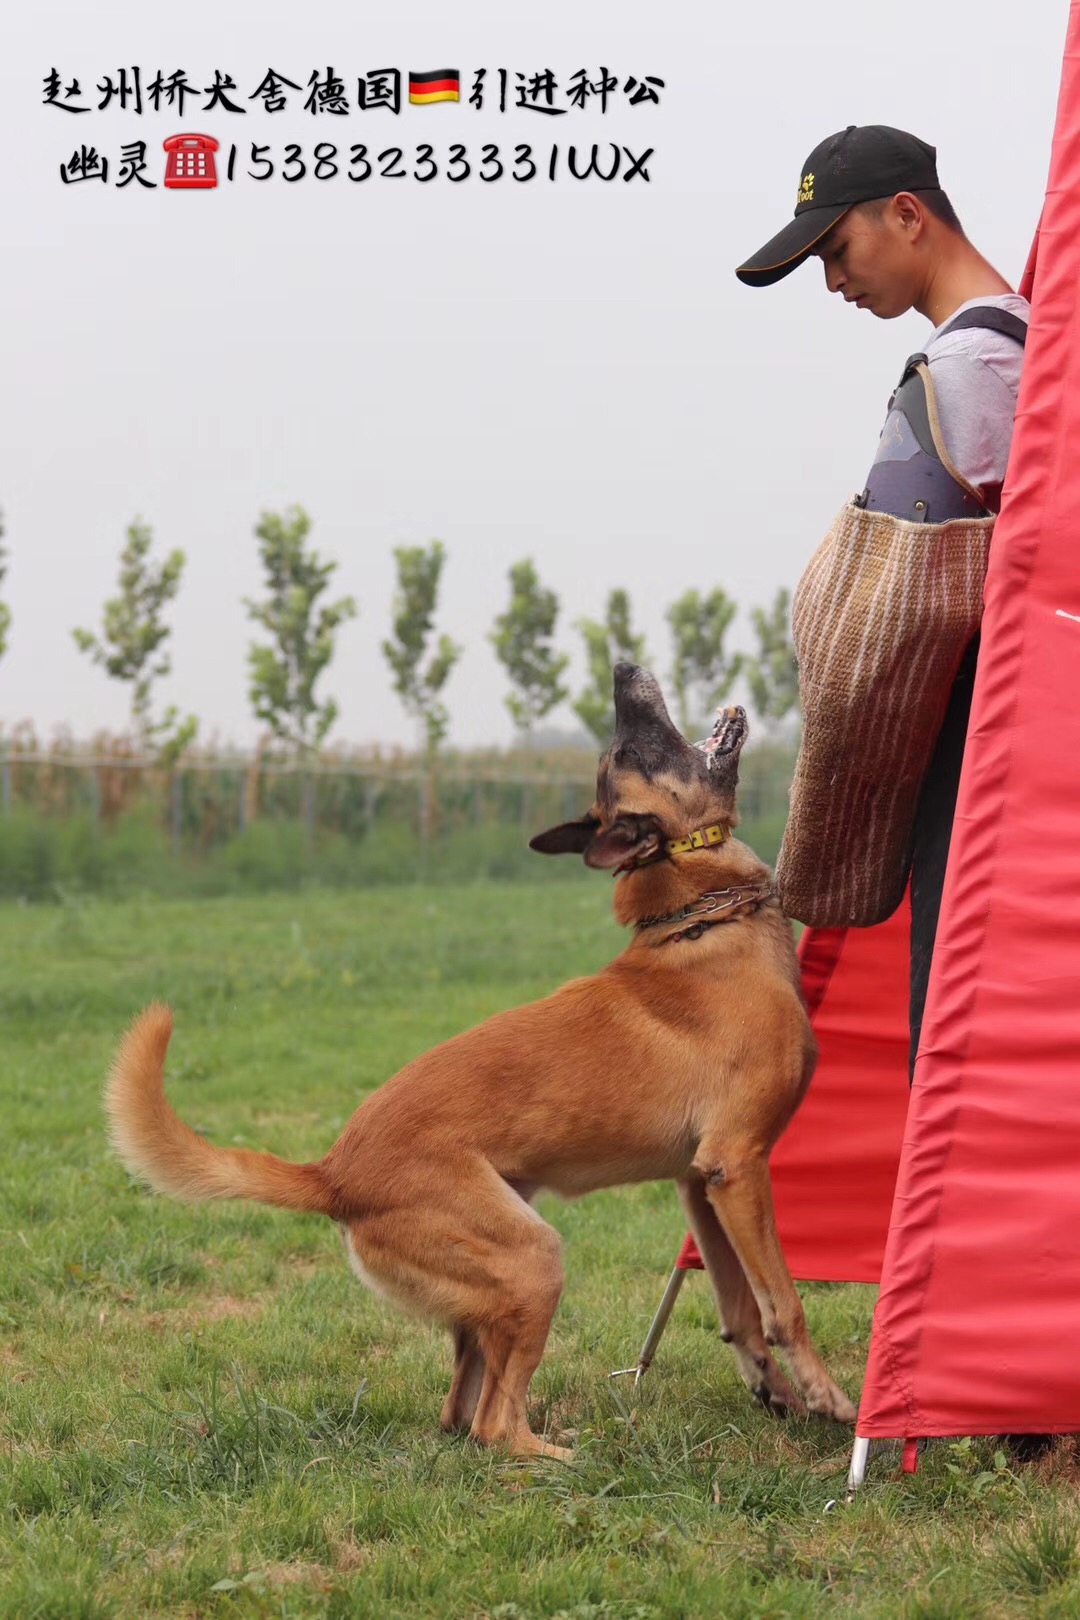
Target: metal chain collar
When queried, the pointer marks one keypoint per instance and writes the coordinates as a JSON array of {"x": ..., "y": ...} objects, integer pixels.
[{"x": 706, "y": 906}]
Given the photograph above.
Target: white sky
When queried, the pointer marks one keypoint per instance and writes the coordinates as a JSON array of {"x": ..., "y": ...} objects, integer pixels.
[{"x": 564, "y": 370}]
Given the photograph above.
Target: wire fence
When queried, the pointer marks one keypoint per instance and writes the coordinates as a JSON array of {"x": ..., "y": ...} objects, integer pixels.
[
  {"x": 109, "y": 821},
  {"x": 206, "y": 800}
]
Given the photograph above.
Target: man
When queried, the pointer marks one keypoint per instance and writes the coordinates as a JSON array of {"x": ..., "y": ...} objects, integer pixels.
[{"x": 870, "y": 207}]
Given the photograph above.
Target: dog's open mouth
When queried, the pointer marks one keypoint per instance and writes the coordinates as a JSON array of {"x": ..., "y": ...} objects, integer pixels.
[{"x": 726, "y": 735}]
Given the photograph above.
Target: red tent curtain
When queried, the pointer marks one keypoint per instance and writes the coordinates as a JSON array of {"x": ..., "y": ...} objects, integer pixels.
[
  {"x": 980, "y": 1299},
  {"x": 989, "y": 1185},
  {"x": 834, "y": 1169}
]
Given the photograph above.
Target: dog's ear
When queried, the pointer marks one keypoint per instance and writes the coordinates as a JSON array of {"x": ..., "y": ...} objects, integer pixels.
[
  {"x": 628, "y": 840},
  {"x": 568, "y": 838}
]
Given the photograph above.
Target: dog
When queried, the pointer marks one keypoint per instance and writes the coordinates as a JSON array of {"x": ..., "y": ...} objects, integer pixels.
[{"x": 682, "y": 1059}]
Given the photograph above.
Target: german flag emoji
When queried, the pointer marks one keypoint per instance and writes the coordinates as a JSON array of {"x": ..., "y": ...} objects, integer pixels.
[{"x": 443, "y": 85}]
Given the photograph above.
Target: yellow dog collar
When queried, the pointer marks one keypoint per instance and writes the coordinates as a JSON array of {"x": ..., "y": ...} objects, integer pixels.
[{"x": 700, "y": 838}]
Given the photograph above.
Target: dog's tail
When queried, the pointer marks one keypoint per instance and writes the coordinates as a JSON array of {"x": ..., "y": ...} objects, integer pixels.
[{"x": 157, "y": 1146}]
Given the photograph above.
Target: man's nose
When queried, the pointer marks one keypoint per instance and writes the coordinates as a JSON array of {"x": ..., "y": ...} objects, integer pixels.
[{"x": 834, "y": 277}]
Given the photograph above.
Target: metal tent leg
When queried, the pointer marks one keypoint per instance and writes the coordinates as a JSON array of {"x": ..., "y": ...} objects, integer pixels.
[
  {"x": 656, "y": 1331},
  {"x": 860, "y": 1455}
]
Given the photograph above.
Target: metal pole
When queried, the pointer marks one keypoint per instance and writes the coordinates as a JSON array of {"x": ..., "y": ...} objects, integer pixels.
[
  {"x": 860, "y": 1456},
  {"x": 656, "y": 1331}
]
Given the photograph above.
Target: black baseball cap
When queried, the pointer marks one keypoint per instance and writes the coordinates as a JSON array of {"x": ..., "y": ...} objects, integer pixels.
[{"x": 856, "y": 165}]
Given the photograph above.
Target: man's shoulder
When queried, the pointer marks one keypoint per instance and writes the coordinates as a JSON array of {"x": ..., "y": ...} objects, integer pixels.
[
  {"x": 976, "y": 376},
  {"x": 979, "y": 345},
  {"x": 1011, "y": 303}
]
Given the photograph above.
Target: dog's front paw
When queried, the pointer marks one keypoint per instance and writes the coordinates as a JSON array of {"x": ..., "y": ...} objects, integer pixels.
[
  {"x": 768, "y": 1385},
  {"x": 831, "y": 1402},
  {"x": 779, "y": 1401}
]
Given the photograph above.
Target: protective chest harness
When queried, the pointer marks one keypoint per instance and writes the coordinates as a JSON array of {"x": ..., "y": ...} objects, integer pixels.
[
  {"x": 912, "y": 476},
  {"x": 881, "y": 619}
]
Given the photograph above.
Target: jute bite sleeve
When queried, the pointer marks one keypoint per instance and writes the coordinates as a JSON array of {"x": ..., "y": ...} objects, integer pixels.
[{"x": 880, "y": 621}]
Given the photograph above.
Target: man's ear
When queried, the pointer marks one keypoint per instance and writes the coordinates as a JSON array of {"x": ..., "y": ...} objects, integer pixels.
[{"x": 568, "y": 838}]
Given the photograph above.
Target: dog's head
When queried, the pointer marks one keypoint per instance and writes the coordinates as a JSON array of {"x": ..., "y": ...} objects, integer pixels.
[{"x": 652, "y": 785}]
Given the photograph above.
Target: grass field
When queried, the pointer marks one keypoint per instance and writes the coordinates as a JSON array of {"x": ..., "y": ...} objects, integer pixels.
[{"x": 203, "y": 1413}]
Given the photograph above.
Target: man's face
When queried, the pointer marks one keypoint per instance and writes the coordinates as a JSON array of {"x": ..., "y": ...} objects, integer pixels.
[{"x": 869, "y": 258}]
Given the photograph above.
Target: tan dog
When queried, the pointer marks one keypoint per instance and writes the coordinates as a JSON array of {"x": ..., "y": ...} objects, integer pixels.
[{"x": 684, "y": 1058}]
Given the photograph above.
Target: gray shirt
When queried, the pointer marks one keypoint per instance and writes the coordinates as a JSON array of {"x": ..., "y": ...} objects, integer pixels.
[{"x": 976, "y": 375}]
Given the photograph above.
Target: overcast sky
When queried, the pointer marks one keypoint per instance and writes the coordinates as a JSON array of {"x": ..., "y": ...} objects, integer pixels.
[{"x": 565, "y": 370}]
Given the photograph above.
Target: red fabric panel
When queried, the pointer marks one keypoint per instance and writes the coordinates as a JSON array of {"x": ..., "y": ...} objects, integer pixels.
[
  {"x": 1027, "y": 280},
  {"x": 819, "y": 952},
  {"x": 980, "y": 1303},
  {"x": 834, "y": 1169},
  {"x": 689, "y": 1258}
]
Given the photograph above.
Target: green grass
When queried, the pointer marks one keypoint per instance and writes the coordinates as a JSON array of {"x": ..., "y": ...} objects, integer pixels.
[{"x": 203, "y": 1414}]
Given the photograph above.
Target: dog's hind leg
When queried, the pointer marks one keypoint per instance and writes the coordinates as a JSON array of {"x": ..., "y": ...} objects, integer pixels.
[
  {"x": 739, "y": 1315},
  {"x": 467, "y": 1249},
  {"x": 512, "y": 1345},
  {"x": 737, "y": 1185},
  {"x": 460, "y": 1405}
]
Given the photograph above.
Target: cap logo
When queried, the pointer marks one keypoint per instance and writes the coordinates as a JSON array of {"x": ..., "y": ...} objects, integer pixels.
[{"x": 806, "y": 189}]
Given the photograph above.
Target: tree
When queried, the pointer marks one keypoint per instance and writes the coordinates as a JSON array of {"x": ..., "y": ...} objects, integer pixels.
[
  {"x": 606, "y": 645},
  {"x": 773, "y": 671},
  {"x": 5, "y": 611},
  {"x": 522, "y": 639},
  {"x": 414, "y": 614},
  {"x": 704, "y": 673},
  {"x": 284, "y": 673},
  {"x": 133, "y": 632}
]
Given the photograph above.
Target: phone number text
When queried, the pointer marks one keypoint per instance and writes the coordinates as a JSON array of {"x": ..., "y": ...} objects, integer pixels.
[{"x": 605, "y": 161}]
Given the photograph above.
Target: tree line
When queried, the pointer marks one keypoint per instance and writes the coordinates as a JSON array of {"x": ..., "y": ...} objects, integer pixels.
[{"x": 300, "y": 629}]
